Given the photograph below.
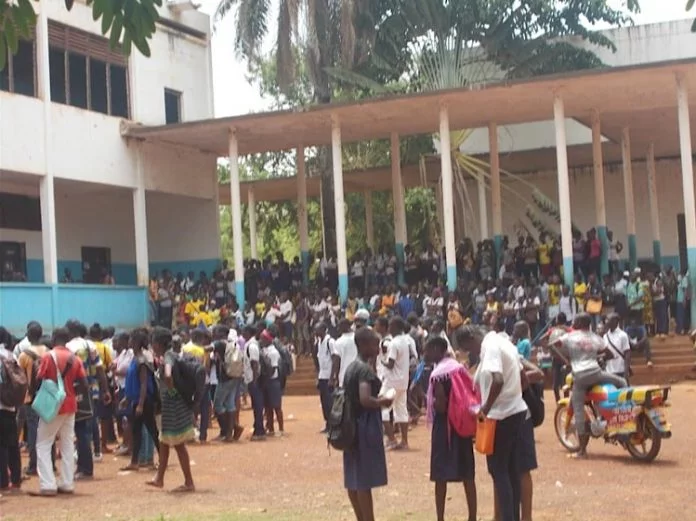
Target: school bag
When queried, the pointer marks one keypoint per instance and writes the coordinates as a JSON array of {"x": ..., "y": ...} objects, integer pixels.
[
  {"x": 234, "y": 361},
  {"x": 286, "y": 367},
  {"x": 189, "y": 380},
  {"x": 51, "y": 395},
  {"x": 13, "y": 389},
  {"x": 464, "y": 398},
  {"x": 534, "y": 398},
  {"x": 265, "y": 365},
  {"x": 35, "y": 363},
  {"x": 341, "y": 422}
]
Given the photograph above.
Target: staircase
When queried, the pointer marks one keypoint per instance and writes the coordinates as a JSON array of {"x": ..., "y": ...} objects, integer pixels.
[
  {"x": 303, "y": 381},
  {"x": 674, "y": 359}
]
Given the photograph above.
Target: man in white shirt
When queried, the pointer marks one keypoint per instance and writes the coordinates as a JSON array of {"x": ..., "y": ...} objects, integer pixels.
[
  {"x": 285, "y": 307},
  {"x": 273, "y": 398},
  {"x": 396, "y": 377},
  {"x": 325, "y": 350},
  {"x": 345, "y": 352},
  {"x": 617, "y": 342},
  {"x": 252, "y": 369},
  {"x": 498, "y": 378}
]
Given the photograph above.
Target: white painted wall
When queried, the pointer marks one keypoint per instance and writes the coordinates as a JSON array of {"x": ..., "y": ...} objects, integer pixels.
[
  {"x": 670, "y": 203},
  {"x": 181, "y": 228},
  {"x": 182, "y": 171}
]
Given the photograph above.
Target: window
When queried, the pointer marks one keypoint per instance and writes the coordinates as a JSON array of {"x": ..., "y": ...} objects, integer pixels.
[
  {"x": 19, "y": 74},
  {"x": 13, "y": 261},
  {"x": 20, "y": 212},
  {"x": 172, "y": 106},
  {"x": 85, "y": 72}
]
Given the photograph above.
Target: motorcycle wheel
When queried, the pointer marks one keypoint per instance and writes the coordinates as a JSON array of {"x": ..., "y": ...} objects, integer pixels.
[
  {"x": 568, "y": 437},
  {"x": 644, "y": 446}
]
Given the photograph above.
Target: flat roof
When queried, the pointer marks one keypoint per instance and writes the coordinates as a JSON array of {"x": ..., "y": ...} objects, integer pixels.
[{"x": 640, "y": 97}]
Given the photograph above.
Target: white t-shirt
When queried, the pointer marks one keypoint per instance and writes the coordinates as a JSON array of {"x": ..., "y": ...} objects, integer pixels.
[
  {"x": 324, "y": 351},
  {"x": 123, "y": 360},
  {"x": 399, "y": 350},
  {"x": 499, "y": 355},
  {"x": 286, "y": 310},
  {"x": 252, "y": 354},
  {"x": 618, "y": 344},
  {"x": 383, "y": 356},
  {"x": 347, "y": 351},
  {"x": 357, "y": 269},
  {"x": 274, "y": 356}
]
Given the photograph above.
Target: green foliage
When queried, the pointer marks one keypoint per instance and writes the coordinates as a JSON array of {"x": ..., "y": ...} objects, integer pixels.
[{"x": 130, "y": 22}]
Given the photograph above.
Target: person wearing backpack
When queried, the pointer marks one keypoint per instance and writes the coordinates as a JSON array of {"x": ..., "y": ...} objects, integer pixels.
[
  {"x": 30, "y": 360},
  {"x": 230, "y": 370},
  {"x": 273, "y": 392},
  {"x": 452, "y": 452},
  {"x": 252, "y": 374},
  {"x": 364, "y": 463},
  {"x": 12, "y": 394},
  {"x": 61, "y": 364}
]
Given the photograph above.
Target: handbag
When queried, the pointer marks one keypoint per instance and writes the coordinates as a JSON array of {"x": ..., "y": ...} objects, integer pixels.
[
  {"x": 485, "y": 436},
  {"x": 51, "y": 395}
]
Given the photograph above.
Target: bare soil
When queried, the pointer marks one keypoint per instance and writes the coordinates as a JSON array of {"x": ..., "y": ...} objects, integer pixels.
[{"x": 298, "y": 478}]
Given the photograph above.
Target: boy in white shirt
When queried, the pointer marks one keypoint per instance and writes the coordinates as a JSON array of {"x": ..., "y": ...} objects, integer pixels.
[{"x": 396, "y": 377}]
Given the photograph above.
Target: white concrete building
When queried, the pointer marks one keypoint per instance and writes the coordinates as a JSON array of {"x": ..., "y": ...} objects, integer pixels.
[{"x": 74, "y": 194}]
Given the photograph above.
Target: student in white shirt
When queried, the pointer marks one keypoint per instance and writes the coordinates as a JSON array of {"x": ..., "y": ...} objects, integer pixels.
[
  {"x": 616, "y": 340},
  {"x": 396, "y": 377},
  {"x": 498, "y": 377},
  {"x": 252, "y": 358},
  {"x": 286, "y": 311},
  {"x": 325, "y": 350},
  {"x": 345, "y": 352},
  {"x": 273, "y": 398}
]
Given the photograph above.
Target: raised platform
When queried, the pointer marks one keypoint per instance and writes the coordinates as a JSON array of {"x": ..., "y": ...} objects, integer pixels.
[
  {"x": 52, "y": 305},
  {"x": 674, "y": 360}
]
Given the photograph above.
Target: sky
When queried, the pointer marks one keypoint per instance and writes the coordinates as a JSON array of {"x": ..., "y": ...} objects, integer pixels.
[{"x": 234, "y": 95}]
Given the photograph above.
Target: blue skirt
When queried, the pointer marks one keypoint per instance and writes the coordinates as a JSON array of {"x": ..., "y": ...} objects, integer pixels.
[
  {"x": 451, "y": 456},
  {"x": 365, "y": 466}
]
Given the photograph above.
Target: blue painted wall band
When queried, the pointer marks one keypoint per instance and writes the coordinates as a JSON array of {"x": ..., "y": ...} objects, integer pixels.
[
  {"x": 498, "y": 245},
  {"x": 657, "y": 252},
  {"x": 343, "y": 287},
  {"x": 604, "y": 241},
  {"x": 239, "y": 293},
  {"x": 691, "y": 260},
  {"x": 632, "y": 252},
  {"x": 568, "y": 279},
  {"x": 304, "y": 257},
  {"x": 451, "y": 278},
  {"x": 400, "y": 258}
]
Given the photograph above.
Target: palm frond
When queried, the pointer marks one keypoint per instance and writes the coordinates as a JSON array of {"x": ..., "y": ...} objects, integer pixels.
[
  {"x": 252, "y": 27},
  {"x": 223, "y": 8},
  {"x": 355, "y": 79}
]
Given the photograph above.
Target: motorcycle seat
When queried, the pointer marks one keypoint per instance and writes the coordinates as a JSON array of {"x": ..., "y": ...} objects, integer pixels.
[{"x": 609, "y": 393}]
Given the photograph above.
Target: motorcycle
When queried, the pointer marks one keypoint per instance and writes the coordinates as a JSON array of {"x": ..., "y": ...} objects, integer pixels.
[{"x": 632, "y": 417}]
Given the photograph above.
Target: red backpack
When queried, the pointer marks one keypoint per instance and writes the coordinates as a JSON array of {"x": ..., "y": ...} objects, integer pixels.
[{"x": 464, "y": 401}]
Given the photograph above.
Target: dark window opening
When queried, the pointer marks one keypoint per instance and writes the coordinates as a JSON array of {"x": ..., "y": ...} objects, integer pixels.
[
  {"x": 97, "y": 86},
  {"x": 77, "y": 80},
  {"x": 13, "y": 261},
  {"x": 56, "y": 65},
  {"x": 172, "y": 106},
  {"x": 18, "y": 75},
  {"x": 119, "y": 91},
  {"x": 20, "y": 212},
  {"x": 96, "y": 264}
]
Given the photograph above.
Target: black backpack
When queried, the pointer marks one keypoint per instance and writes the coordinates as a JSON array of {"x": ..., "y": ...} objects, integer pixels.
[
  {"x": 265, "y": 365},
  {"x": 341, "y": 422},
  {"x": 189, "y": 380},
  {"x": 285, "y": 367},
  {"x": 534, "y": 398}
]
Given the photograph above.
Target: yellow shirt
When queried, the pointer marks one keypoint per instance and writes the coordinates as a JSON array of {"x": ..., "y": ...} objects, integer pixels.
[
  {"x": 554, "y": 294},
  {"x": 26, "y": 362},
  {"x": 104, "y": 354},
  {"x": 544, "y": 251},
  {"x": 197, "y": 352},
  {"x": 192, "y": 308},
  {"x": 491, "y": 307},
  {"x": 580, "y": 291},
  {"x": 260, "y": 308}
]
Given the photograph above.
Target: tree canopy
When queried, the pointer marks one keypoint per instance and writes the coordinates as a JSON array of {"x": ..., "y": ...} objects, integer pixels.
[{"x": 129, "y": 22}]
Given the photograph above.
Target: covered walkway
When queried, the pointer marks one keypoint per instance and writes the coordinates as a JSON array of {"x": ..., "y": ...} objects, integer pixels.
[{"x": 643, "y": 110}]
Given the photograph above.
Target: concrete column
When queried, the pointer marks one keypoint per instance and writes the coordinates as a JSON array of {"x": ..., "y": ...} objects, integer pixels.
[
  {"x": 496, "y": 198},
  {"x": 302, "y": 213},
  {"x": 369, "y": 221},
  {"x": 236, "y": 207},
  {"x": 628, "y": 194},
  {"x": 654, "y": 209},
  {"x": 483, "y": 208},
  {"x": 600, "y": 201},
  {"x": 46, "y": 185},
  {"x": 400, "y": 234},
  {"x": 447, "y": 199},
  {"x": 687, "y": 184},
  {"x": 563, "y": 190},
  {"x": 142, "y": 258},
  {"x": 340, "y": 209},
  {"x": 252, "y": 223}
]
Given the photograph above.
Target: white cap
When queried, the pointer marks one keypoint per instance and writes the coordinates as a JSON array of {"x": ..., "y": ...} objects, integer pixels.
[{"x": 362, "y": 314}]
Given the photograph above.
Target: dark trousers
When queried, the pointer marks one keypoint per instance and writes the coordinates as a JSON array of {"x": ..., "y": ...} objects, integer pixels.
[
  {"x": 32, "y": 427},
  {"x": 256, "y": 394},
  {"x": 503, "y": 466},
  {"x": 147, "y": 420},
  {"x": 205, "y": 414},
  {"x": 96, "y": 437},
  {"x": 559, "y": 376},
  {"x": 661, "y": 317},
  {"x": 10, "y": 460},
  {"x": 682, "y": 323},
  {"x": 325, "y": 392},
  {"x": 84, "y": 433}
]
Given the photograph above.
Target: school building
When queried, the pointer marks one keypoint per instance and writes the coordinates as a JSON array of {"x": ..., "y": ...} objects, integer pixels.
[{"x": 108, "y": 163}]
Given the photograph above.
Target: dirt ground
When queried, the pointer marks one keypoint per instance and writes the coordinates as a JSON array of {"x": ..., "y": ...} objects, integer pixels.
[{"x": 298, "y": 478}]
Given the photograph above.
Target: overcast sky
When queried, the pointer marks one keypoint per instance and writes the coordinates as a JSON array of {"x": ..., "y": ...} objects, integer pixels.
[{"x": 234, "y": 95}]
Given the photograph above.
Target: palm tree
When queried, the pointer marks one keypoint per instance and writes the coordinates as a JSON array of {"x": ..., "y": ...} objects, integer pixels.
[{"x": 314, "y": 36}]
